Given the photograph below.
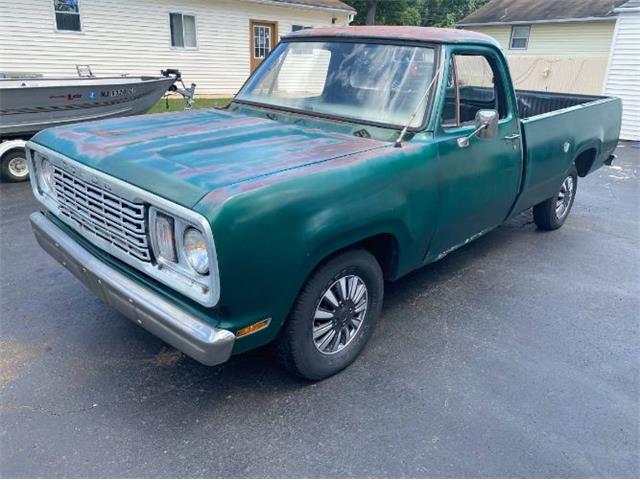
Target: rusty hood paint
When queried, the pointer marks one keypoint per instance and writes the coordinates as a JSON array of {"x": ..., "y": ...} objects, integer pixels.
[{"x": 187, "y": 155}]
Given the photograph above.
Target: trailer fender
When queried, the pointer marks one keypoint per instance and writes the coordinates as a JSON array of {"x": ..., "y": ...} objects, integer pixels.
[{"x": 9, "y": 145}]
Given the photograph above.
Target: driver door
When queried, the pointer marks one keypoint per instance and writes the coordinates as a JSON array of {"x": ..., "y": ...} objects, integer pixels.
[{"x": 479, "y": 182}]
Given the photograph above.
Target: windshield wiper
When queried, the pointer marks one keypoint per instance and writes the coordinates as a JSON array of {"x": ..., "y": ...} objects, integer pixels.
[{"x": 415, "y": 112}]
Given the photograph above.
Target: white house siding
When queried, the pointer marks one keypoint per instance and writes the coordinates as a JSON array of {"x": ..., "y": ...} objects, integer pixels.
[
  {"x": 133, "y": 37},
  {"x": 623, "y": 75},
  {"x": 560, "y": 57}
]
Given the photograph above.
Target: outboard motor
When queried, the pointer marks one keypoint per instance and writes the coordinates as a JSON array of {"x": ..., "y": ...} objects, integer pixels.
[{"x": 187, "y": 93}]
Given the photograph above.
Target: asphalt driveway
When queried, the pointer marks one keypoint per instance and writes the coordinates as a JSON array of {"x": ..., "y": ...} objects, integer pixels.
[{"x": 517, "y": 355}]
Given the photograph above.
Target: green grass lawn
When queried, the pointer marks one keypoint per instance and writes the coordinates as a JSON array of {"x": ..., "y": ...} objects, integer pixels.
[{"x": 177, "y": 104}]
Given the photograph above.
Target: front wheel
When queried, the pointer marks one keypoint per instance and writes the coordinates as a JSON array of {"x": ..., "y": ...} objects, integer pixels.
[
  {"x": 333, "y": 316},
  {"x": 552, "y": 213},
  {"x": 14, "y": 166}
]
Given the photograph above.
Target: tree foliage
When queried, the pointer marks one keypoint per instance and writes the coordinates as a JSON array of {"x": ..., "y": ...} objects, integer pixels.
[{"x": 431, "y": 13}]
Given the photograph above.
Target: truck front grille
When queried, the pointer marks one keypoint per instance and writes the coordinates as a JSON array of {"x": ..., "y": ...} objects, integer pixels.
[{"x": 116, "y": 220}]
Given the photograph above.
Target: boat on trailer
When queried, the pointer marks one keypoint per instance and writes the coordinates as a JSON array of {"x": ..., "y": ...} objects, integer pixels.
[{"x": 30, "y": 103}]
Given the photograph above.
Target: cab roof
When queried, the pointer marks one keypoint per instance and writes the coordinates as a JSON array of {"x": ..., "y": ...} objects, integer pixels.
[{"x": 420, "y": 34}]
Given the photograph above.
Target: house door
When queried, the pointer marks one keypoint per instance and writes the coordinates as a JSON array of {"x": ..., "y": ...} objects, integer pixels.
[{"x": 263, "y": 38}]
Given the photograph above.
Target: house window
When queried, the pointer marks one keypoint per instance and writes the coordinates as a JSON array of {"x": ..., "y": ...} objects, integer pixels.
[
  {"x": 183, "y": 30},
  {"x": 519, "y": 37},
  {"x": 67, "y": 15},
  {"x": 261, "y": 41}
]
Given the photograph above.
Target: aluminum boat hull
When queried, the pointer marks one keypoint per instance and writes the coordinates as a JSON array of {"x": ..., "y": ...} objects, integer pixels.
[{"x": 30, "y": 105}]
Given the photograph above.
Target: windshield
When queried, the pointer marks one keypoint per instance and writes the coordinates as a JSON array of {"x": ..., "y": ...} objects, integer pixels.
[{"x": 375, "y": 83}]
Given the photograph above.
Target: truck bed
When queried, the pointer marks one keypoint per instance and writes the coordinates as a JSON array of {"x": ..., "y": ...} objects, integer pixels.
[
  {"x": 531, "y": 103},
  {"x": 559, "y": 129}
]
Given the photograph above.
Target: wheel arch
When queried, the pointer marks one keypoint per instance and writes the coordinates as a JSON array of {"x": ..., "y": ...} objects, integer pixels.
[
  {"x": 585, "y": 160},
  {"x": 383, "y": 246}
]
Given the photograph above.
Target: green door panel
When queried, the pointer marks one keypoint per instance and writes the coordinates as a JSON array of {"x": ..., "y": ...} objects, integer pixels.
[{"x": 478, "y": 184}]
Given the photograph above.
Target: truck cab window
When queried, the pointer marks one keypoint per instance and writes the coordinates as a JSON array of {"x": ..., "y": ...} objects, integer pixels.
[
  {"x": 472, "y": 85},
  {"x": 450, "y": 110}
]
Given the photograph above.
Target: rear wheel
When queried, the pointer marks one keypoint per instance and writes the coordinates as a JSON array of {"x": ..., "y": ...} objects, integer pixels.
[
  {"x": 14, "y": 166},
  {"x": 333, "y": 316},
  {"x": 552, "y": 213}
]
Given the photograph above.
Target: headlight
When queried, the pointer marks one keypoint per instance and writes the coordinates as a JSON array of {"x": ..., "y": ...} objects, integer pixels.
[
  {"x": 46, "y": 176},
  {"x": 195, "y": 249}
]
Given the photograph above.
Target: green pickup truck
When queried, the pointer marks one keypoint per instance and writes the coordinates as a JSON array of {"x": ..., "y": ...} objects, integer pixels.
[{"x": 351, "y": 156}]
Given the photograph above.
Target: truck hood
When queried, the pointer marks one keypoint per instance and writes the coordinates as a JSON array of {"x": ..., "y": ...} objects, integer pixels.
[{"x": 183, "y": 156}]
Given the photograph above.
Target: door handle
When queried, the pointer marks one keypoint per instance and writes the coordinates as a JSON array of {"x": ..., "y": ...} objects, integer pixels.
[{"x": 513, "y": 136}]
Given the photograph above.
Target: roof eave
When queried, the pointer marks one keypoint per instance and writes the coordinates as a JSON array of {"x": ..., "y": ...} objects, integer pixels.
[
  {"x": 285, "y": 3},
  {"x": 532, "y": 22}
]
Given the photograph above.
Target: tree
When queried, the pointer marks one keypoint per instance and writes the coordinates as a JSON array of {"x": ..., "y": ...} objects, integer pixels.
[
  {"x": 433, "y": 13},
  {"x": 446, "y": 13},
  {"x": 372, "y": 8},
  {"x": 386, "y": 12}
]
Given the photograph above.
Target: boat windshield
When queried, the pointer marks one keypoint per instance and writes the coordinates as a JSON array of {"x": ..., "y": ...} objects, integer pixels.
[{"x": 368, "y": 82}]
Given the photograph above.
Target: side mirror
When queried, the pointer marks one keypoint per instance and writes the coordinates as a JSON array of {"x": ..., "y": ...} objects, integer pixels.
[
  {"x": 487, "y": 123},
  {"x": 486, "y": 127}
]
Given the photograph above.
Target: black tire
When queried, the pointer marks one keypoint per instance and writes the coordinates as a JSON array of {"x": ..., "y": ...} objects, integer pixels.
[
  {"x": 8, "y": 168},
  {"x": 295, "y": 344},
  {"x": 546, "y": 215}
]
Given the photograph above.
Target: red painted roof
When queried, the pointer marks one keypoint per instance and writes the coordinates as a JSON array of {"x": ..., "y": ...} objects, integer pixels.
[{"x": 421, "y": 34}]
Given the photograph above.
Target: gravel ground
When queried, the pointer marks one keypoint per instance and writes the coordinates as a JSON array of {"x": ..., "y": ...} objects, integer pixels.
[{"x": 516, "y": 355}]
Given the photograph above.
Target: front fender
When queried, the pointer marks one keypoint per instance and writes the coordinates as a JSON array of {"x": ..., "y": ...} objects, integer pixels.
[{"x": 271, "y": 233}]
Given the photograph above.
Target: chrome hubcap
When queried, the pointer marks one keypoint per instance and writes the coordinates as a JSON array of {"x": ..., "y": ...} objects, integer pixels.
[
  {"x": 18, "y": 167},
  {"x": 564, "y": 197},
  {"x": 340, "y": 314}
]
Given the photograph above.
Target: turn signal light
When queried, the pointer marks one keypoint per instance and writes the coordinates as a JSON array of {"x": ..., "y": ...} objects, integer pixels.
[
  {"x": 253, "y": 328},
  {"x": 165, "y": 238}
]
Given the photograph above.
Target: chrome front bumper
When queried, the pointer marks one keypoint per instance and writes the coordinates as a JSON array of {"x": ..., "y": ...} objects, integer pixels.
[{"x": 184, "y": 331}]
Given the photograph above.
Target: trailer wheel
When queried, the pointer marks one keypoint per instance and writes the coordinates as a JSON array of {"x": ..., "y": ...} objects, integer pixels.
[
  {"x": 14, "y": 166},
  {"x": 552, "y": 213}
]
